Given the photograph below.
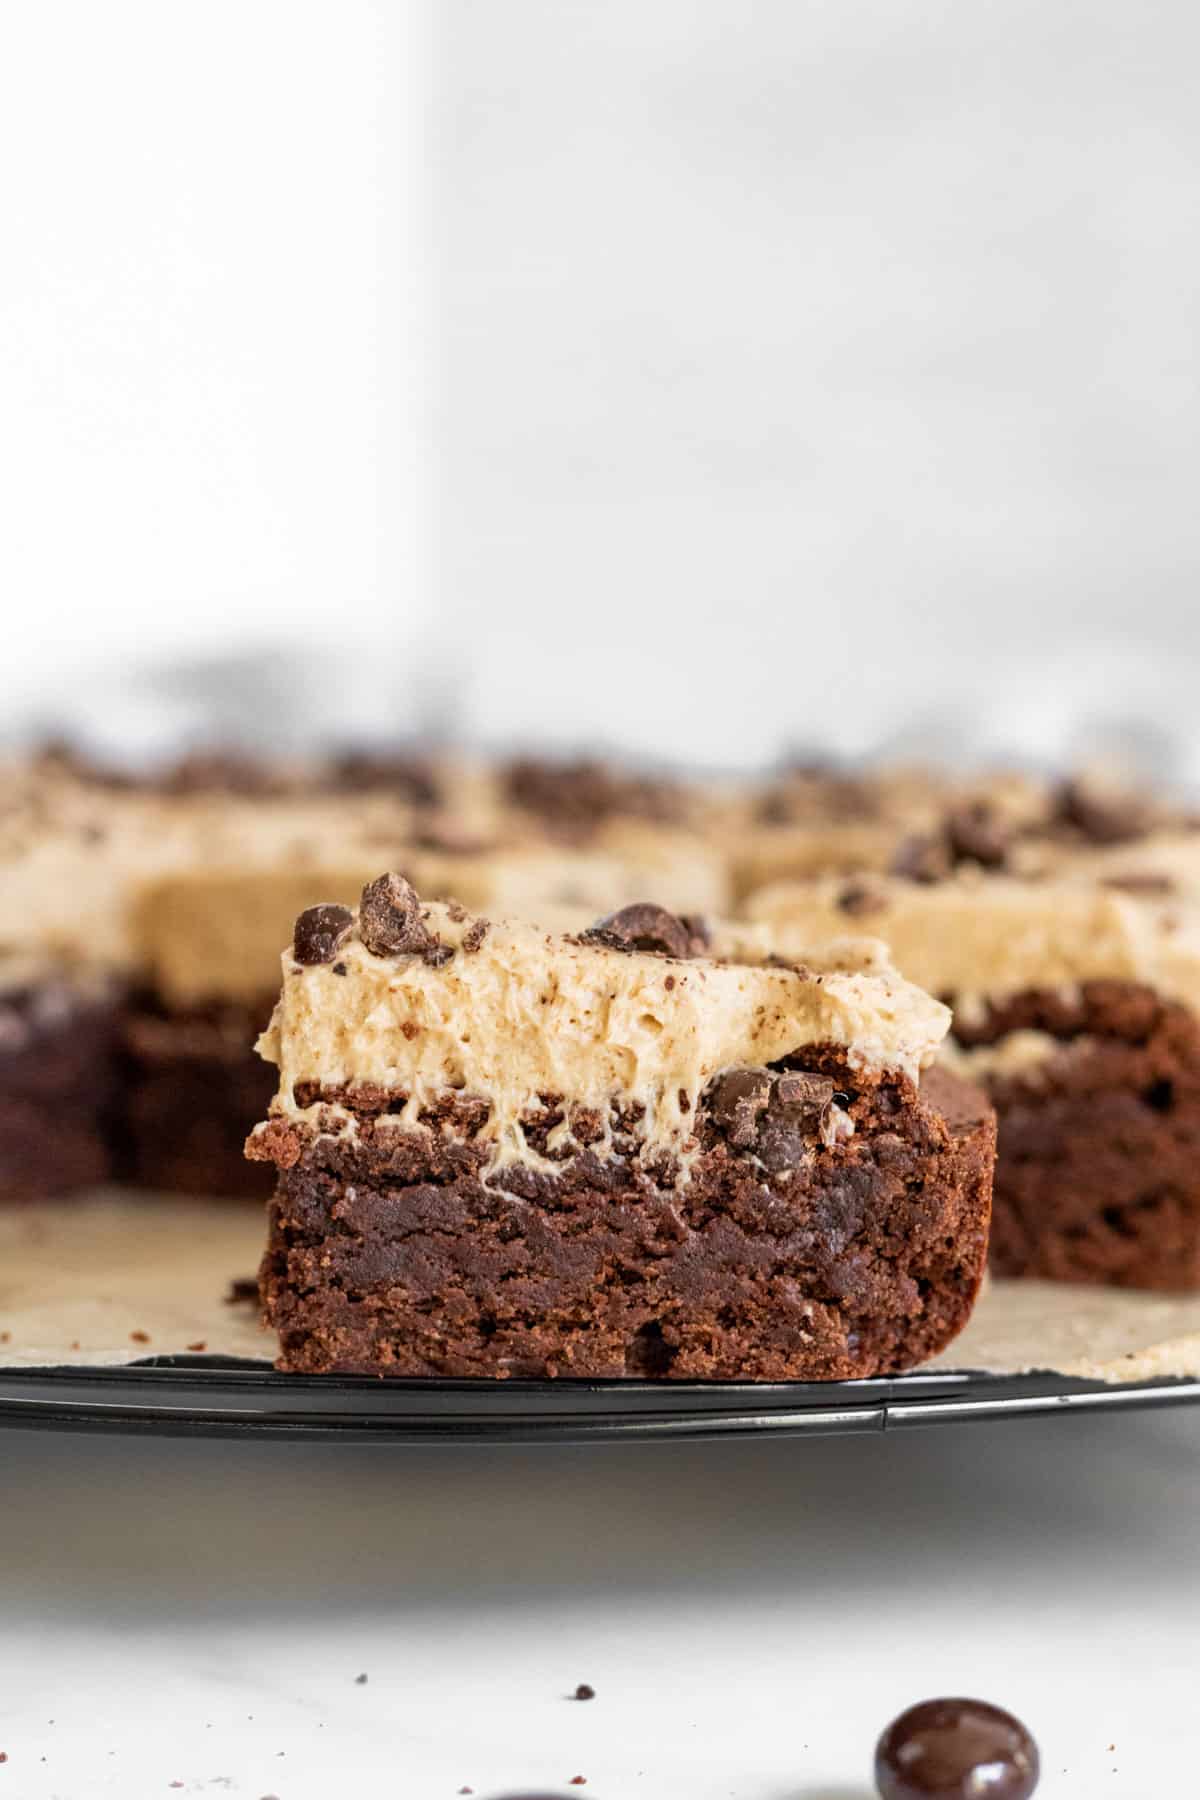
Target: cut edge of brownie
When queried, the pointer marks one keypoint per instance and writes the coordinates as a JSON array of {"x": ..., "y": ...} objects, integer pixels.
[
  {"x": 789, "y": 1247},
  {"x": 1098, "y": 1172}
]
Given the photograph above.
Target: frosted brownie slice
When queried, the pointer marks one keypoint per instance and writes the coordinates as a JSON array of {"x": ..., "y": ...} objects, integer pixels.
[
  {"x": 504, "y": 1152},
  {"x": 1075, "y": 1006}
]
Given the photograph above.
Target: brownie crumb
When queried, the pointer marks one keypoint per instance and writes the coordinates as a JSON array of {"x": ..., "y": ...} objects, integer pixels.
[
  {"x": 642, "y": 926},
  {"x": 360, "y": 1681},
  {"x": 577, "y": 1781},
  {"x": 474, "y": 935},
  {"x": 438, "y": 955},
  {"x": 5, "y": 1337},
  {"x": 198, "y": 1346},
  {"x": 339, "y": 968},
  {"x": 320, "y": 933},
  {"x": 585, "y": 1691},
  {"x": 140, "y": 1337},
  {"x": 241, "y": 1289},
  {"x": 466, "y": 1790}
]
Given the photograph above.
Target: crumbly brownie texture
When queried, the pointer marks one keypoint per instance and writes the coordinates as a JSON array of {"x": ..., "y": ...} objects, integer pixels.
[
  {"x": 1077, "y": 1009},
  {"x": 193, "y": 1087},
  {"x": 58, "y": 1086},
  {"x": 1098, "y": 1096},
  {"x": 504, "y": 1154},
  {"x": 781, "y": 1257}
]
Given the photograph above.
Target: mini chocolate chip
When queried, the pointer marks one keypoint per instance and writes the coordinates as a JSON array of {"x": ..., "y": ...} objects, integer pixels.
[
  {"x": 954, "y": 1750},
  {"x": 975, "y": 834},
  {"x": 389, "y": 918},
  {"x": 736, "y": 1100},
  {"x": 859, "y": 898},
  {"x": 474, "y": 935},
  {"x": 642, "y": 926},
  {"x": 921, "y": 859},
  {"x": 320, "y": 933}
]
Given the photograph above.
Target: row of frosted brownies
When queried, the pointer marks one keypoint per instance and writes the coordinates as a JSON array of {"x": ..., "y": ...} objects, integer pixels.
[{"x": 611, "y": 1074}]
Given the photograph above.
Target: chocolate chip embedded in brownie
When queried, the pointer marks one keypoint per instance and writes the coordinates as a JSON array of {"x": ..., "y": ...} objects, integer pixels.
[{"x": 512, "y": 1153}]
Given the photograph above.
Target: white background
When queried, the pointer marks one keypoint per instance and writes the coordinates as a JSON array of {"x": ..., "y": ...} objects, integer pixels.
[{"x": 699, "y": 374}]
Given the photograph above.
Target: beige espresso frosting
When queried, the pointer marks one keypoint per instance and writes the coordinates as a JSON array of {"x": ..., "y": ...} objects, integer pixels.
[
  {"x": 529, "y": 1013},
  {"x": 986, "y": 937}
]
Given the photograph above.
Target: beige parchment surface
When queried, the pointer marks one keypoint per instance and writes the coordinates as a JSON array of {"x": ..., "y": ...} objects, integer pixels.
[{"x": 114, "y": 1278}]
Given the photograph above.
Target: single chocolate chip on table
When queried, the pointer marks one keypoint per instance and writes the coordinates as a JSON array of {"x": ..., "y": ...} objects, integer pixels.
[
  {"x": 320, "y": 933},
  {"x": 642, "y": 926},
  {"x": 585, "y": 1691},
  {"x": 956, "y": 1749}
]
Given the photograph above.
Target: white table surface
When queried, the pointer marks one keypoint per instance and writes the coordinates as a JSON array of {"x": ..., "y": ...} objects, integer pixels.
[{"x": 750, "y": 1613}]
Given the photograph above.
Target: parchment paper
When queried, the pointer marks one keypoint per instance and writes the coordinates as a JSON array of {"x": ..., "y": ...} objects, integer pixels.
[{"x": 115, "y": 1278}]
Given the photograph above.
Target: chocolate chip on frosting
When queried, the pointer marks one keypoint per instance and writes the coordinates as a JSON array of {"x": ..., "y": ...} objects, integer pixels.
[
  {"x": 859, "y": 897},
  {"x": 320, "y": 933},
  {"x": 1104, "y": 814},
  {"x": 921, "y": 859},
  {"x": 389, "y": 918},
  {"x": 975, "y": 834},
  {"x": 642, "y": 926}
]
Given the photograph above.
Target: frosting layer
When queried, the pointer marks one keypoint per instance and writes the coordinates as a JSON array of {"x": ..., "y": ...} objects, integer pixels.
[
  {"x": 528, "y": 1014},
  {"x": 989, "y": 937}
]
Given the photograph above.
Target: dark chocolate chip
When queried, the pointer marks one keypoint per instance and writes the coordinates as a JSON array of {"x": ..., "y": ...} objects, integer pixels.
[
  {"x": 975, "y": 834},
  {"x": 320, "y": 933},
  {"x": 737, "y": 1100},
  {"x": 1103, "y": 816},
  {"x": 860, "y": 898},
  {"x": 921, "y": 859},
  {"x": 585, "y": 1691},
  {"x": 389, "y": 918},
  {"x": 796, "y": 1091},
  {"x": 643, "y": 926},
  {"x": 956, "y": 1750}
]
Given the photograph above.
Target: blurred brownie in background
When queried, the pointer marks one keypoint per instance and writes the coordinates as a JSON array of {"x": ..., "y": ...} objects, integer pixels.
[{"x": 1076, "y": 1007}]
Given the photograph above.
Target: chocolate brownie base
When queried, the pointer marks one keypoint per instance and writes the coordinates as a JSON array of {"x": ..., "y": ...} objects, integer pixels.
[
  {"x": 789, "y": 1252},
  {"x": 57, "y": 1089},
  {"x": 1098, "y": 1174},
  {"x": 193, "y": 1089}
]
